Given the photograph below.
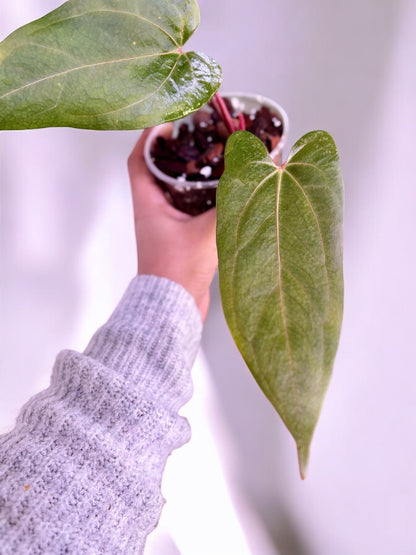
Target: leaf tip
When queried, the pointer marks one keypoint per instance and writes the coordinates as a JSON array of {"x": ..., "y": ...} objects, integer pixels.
[{"x": 303, "y": 459}]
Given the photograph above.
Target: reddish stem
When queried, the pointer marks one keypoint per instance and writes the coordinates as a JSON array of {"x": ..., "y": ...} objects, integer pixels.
[
  {"x": 228, "y": 120},
  {"x": 241, "y": 121}
]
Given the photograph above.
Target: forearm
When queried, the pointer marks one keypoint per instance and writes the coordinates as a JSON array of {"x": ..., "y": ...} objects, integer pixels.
[{"x": 81, "y": 471}]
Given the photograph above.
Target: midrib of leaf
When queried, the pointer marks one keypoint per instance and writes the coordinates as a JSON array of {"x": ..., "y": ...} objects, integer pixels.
[
  {"x": 280, "y": 290},
  {"x": 282, "y": 171},
  {"x": 289, "y": 348},
  {"x": 85, "y": 66}
]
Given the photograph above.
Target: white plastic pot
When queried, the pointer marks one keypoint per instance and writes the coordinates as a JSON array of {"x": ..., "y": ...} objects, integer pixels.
[{"x": 195, "y": 197}]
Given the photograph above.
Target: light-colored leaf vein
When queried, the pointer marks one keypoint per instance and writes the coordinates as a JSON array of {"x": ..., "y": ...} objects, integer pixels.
[
  {"x": 162, "y": 84},
  {"x": 314, "y": 215},
  {"x": 307, "y": 294},
  {"x": 253, "y": 236},
  {"x": 250, "y": 198},
  {"x": 282, "y": 304},
  {"x": 233, "y": 270},
  {"x": 85, "y": 66},
  {"x": 92, "y": 12},
  {"x": 46, "y": 47}
]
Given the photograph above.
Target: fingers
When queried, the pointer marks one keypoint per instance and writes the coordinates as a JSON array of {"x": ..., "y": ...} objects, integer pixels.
[{"x": 170, "y": 243}]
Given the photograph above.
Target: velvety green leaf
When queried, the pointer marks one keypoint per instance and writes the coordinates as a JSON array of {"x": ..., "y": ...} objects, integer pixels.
[
  {"x": 279, "y": 239},
  {"x": 105, "y": 64}
]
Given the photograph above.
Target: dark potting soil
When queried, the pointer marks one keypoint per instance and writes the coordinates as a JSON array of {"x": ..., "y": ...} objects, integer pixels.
[{"x": 196, "y": 153}]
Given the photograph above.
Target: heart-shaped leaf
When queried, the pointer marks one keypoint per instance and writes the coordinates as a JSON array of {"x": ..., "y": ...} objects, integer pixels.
[
  {"x": 105, "y": 64},
  {"x": 279, "y": 240}
]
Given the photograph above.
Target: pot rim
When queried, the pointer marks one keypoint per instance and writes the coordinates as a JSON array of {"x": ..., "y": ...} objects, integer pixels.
[{"x": 236, "y": 98}]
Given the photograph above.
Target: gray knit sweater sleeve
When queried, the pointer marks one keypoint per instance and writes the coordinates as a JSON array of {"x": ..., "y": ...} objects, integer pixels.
[{"x": 81, "y": 471}]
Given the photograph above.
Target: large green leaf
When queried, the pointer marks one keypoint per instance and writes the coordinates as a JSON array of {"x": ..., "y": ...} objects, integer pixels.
[
  {"x": 279, "y": 241},
  {"x": 105, "y": 64}
]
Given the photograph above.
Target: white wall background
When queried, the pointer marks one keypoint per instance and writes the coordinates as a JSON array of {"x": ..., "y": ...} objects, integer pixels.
[{"x": 67, "y": 252}]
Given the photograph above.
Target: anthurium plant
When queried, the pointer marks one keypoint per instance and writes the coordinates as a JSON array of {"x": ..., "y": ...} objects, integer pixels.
[{"x": 121, "y": 64}]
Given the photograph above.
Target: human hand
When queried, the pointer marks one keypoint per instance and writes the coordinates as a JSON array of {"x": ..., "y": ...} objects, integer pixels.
[{"x": 170, "y": 243}]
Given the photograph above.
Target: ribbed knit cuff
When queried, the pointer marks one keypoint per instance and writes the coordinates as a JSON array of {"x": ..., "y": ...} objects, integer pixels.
[
  {"x": 155, "y": 324},
  {"x": 81, "y": 471}
]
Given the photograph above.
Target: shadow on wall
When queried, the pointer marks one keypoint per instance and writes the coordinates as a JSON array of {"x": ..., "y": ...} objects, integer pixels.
[
  {"x": 55, "y": 185},
  {"x": 326, "y": 63},
  {"x": 262, "y": 466}
]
